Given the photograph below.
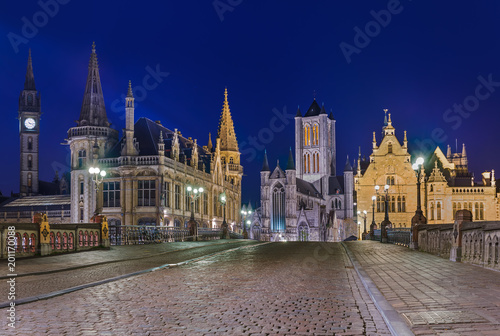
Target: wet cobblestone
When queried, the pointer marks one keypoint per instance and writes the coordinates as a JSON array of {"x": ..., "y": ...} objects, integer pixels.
[{"x": 273, "y": 289}]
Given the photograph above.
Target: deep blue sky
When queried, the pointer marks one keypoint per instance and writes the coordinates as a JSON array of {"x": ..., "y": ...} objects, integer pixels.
[{"x": 270, "y": 55}]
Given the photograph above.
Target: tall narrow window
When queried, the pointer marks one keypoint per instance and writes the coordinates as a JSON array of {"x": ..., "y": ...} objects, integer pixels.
[
  {"x": 399, "y": 203},
  {"x": 389, "y": 148},
  {"x": 481, "y": 211},
  {"x": 82, "y": 158},
  {"x": 379, "y": 204},
  {"x": 146, "y": 193},
  {"x": 314, "y": 162},
  {"x": 305, "y": 163},
  {"x": 30, "y": 143},
  {"x": 30, "y": 180},
  {"x": 167, "y": 194},
  {"x": 205, "y": 203},
  {"x": 307, "y": 135},
  {"x": 30, "y": 162},
  {"x": 393, "y": 204},
  {"x": 278, "y": 209},
  {"x": 403, "y": 206},
  {"x": 476, "y": 211},
  {"x": 438, "y": 207},
  {"x": 111, "y": 194},
  {"x": 432, "y": 211}
]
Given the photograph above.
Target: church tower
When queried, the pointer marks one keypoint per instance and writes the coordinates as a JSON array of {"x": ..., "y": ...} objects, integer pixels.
[
  {"x": 315, "y": 144},
  {"x": 89, "y": 140},
  {"x": 229, "y": 153},
  {"x": 29, "y": 130}
]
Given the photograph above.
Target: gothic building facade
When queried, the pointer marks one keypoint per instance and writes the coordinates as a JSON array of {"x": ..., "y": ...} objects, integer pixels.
[
  {"x": 149, "y": 168},
  {"x": 446, "y": 186},
  {"x": 307, "y": 201}
]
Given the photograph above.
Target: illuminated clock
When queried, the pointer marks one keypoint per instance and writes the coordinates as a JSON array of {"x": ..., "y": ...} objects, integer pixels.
[{"x": 29, "y": 123}]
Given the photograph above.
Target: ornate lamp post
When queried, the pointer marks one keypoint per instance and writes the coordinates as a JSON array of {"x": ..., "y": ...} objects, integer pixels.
[
  {"x": 386, "y": 221},
  {"x": 225, "y": 231},
  {"x": 363, "y": 215},
  {"x": 97, "y": 176},
  {"x": 244, "y": 214},
  {"x": 372, "y": 226},
  {"x": 419, "y": 217},
  {"x": 193, "y": 194}
]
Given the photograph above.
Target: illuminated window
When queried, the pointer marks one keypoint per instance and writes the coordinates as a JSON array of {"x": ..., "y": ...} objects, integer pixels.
[{"x": 307, "y": 135}]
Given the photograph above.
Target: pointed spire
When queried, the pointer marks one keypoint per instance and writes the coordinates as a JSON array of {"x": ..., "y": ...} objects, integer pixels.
[
  {"x": 299, "y": 114},
  {"x": 29, "y": 82},
  {"x": 374, "y": 141},
  {"x": 385, "y": 117},
  {"x": 323, "y": 111},
  {"x": 129, "y": 92},
  {"x": 330, "y": 116},
  {"x": 278, "y": 163},
  {"x": 389, "y": 122},
  {"x": 226, "y": 128},
  {"x": 405, "y": 141},
  {"x": 209, "y": 145},
  {"x": 347, "y": 166},
  {"x": 93, "y": 112},
  {"x": 265, "y": 164},
  {"x": 448, "y": 152},
  {"x": 160, "y": 140},
  {"x": 464, "y": 153},
  {"x": 290, "y": 164}
]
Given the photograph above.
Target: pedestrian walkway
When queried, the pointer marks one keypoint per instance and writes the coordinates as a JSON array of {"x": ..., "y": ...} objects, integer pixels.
[
  {"x": 64, "y": 262},
  {"x": 434, "y": 295}
]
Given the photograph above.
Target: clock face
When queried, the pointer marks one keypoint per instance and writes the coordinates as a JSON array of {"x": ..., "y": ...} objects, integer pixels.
[{"x": 29, "y": 123}]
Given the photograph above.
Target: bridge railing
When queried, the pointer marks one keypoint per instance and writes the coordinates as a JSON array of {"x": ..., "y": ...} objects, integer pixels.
[
  {"x": 150, "y": 234},
  {"x": 399, "y": 236}
]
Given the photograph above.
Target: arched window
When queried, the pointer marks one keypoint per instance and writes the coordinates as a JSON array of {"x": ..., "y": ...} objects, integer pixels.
[
  {"x": 65, "y": 241},
  {"x": 30, "y": 162},
  {"x": 399, "y": 203},
  {"x": 314, "y": 162},
  {"x": 317, "y": 162},
  {"x": 438, "y": 210},
  {"x": 58, "y": 241},
  {"x": 340, "y": 204},
  {"x": 71, "y": 241},
  {"x": 86, "y": 238},
  {"x": 231, "y": 160},
  {"x": 278, "y": 209},
  {"x": 315, "y": 134},
  {"x": 82, "y": 158},
  {"x": 52, "y": 241},
  {"x": 308, "y": 163},
  {"x": 25, "y": 242},
  {"x": 392, "y": 180},
  {"x": 481, "y": 211},
  {"x": 476, "y": 211},
  {"x": 307, "y": 135},
  {"x": 30, "y": 180},
  {"x": 80, "y": 238},
  {"x": 459, "y": 206},
  {"x": 432, "y": 211},
  {"x": 30, "y": 143},
  {"x": 432, "y": 188},
  {"x": 389, "y": 148}
]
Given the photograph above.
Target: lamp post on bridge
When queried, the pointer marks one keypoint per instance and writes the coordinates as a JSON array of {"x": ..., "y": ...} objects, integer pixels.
[
  {"x": 193, "y": 194},
  {"x": 97, "y": 176},
  {"x": 244, "y": 214},
  {"x": 386, "y": 221},
  {"x": 373, "y": 224},
  {"x": 419, "y": 217},
  {"x": 363, "y": 215},
  {"x": 225, "y": 229}
]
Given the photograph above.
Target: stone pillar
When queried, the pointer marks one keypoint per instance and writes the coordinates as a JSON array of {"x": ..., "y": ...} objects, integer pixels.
[
  {"x": 462, "y": 216},
  {"x": 45, "y": 248}
]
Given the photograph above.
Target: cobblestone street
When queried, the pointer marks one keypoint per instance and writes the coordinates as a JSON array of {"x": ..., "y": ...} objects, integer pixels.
[
  {"x": 272, "y": 289},
  {"x": 435, "y": 296}
]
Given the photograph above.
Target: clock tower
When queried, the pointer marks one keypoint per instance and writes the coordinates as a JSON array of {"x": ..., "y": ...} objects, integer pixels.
[{"x": 29, "y": 130}]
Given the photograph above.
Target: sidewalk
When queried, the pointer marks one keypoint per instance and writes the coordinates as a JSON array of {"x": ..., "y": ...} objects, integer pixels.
[
  {"x": 433, "y": 295},
  {"x": 40, "y": 265}
]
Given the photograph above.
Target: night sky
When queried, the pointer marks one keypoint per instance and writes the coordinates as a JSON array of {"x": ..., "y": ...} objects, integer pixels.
[{"x": 418, "y": 60}]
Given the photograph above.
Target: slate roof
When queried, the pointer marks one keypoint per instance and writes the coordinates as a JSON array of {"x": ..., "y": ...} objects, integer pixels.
[
  {"x": 313, "y": 110},
  {"x": 335, "y": 183},
  {"x": 147, "y": 133},
  {"x": 307, "y": 188},
  {"x": 37, "y": 203}
]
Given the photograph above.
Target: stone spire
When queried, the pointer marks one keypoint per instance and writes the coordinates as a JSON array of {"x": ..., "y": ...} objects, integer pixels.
[
  {"x": 265, "y": 164},
  {"x": 93, "y": 111},
  {"x": 226, "y": 132},
  {"x": 209, "y": 145},
  {"x": 290, "y": 165},
  {"x": 29, "y": 82},
  {"x": 448, "y": 152},
  {"x": 464, "y": 153},
  {"x": 299, "y": 114},
  {"x": 347, "y": 166}
]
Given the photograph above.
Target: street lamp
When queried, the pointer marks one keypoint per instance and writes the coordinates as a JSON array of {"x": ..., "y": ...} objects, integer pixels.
[
  {"x": 244, "y": 214},
  {"x": 97, "y": 176},
  {"x": 419, "y": 217},
  {"x": 225, "y": 231},
  {"x": 372, "y": 226},
  {"x": 193, "y": 194},
  {"x": 385, "y": 222},
  {"x": 363, "y": 215}
]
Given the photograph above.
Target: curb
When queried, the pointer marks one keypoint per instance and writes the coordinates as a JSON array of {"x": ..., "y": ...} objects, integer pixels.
[
  {"x": 393, "y": 320},
  {"x": 109, "y": 261},
  {"x": 101, "y": 282}
]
